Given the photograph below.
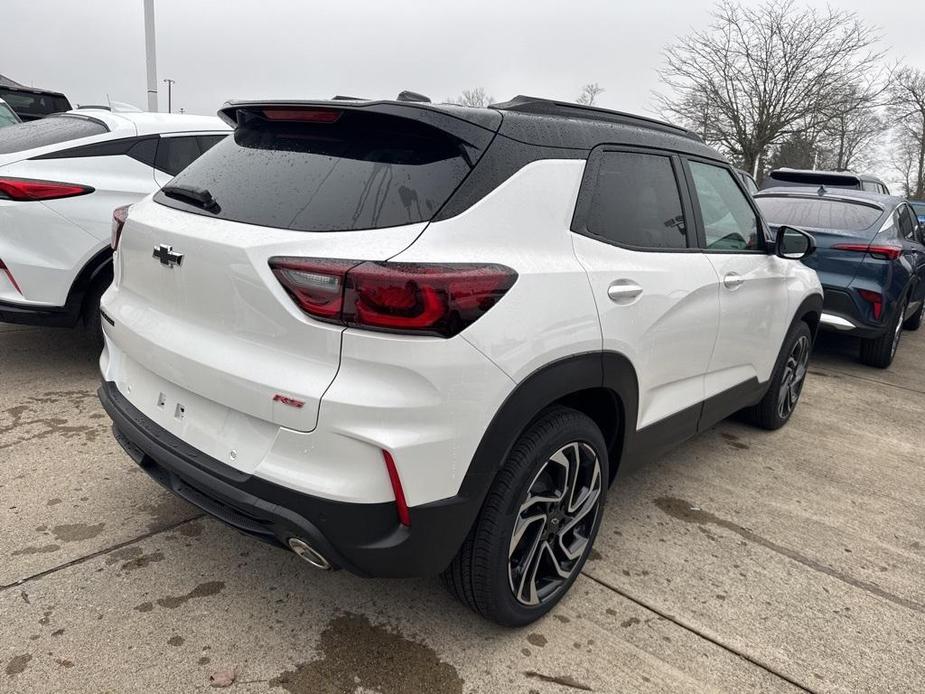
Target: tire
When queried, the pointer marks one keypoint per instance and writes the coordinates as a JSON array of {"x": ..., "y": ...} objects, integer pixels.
[
  {"x": 915, "y": 322},
  {"x": 488, "y": 567},
  {"x": 786, "y": 385},
  {"x": 91, "y": 312},
  {"x": 879, "y": 351}
]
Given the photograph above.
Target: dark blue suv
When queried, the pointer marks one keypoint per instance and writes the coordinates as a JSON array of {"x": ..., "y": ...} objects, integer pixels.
[{"x": 870, "y": 259}]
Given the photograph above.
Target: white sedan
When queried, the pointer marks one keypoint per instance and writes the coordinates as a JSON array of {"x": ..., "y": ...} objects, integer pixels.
[{"x": 61, "y": 177}]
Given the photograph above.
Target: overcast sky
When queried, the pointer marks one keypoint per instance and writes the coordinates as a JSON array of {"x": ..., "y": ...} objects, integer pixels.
[{"x": 216, "y": 50}]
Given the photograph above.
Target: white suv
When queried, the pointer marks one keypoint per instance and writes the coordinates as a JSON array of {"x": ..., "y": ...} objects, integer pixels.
[
  {"x": 60, "y": 179},
  {"x": 405, "y": 339}
]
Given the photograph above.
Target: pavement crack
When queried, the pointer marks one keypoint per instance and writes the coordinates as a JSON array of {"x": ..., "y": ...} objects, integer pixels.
[
  {"x": 561, "y": 680},
  {"x": 870, "y": 380},
  {"x": 700, "y": 633},
  {"x": 687, "y": 512},
  {"x": 100, "y": 552}
]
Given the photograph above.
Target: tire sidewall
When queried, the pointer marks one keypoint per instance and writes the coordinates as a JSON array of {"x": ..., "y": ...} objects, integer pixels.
[
  {"x": 800, "y": 329},
  {"x": 583, "y": 430}
]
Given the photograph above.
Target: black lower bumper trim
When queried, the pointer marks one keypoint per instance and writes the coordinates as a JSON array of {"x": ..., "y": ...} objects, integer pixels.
[
  {"x": 54, "y": 317},
  {"x": 366, "y": 539}
]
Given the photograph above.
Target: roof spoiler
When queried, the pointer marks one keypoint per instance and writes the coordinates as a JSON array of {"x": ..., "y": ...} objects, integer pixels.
[{"x": 567, "y": 109}]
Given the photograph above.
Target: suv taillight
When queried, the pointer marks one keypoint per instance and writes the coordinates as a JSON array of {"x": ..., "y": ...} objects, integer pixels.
[
  {"x": 119, "y": 215},
  {"x": 882, "y": 251},
  {"x": 418, "y": 298},
  {"x": 33, "y": 189}
]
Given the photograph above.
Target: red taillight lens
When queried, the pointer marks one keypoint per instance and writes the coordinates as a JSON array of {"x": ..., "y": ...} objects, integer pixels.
[
  {"x": 5, "y": 270},
  {"x": 883, "y": 252},
  {"x": 875, "y": 299},
  {"x": 302, "y": 115},
  {"x": 31, "y": 189},
  {"x": 119, "y": 215},
  {"x": 417, "y": 298}
]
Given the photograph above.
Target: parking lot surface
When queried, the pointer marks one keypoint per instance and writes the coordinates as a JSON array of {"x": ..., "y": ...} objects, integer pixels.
[{"x": 743, "y": 561}]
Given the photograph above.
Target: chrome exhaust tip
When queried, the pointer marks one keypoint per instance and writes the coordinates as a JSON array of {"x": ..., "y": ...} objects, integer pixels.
[{"x": 309, "y": 554}]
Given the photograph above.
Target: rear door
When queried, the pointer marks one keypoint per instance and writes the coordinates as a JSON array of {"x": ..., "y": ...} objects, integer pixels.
[
  {"x": 215, "y": 330},
  {"x": 752, "y": 283},
  {"x": 655, "y": 290}
]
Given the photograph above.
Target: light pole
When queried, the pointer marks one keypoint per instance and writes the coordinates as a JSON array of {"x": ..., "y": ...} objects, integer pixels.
[
  {"x": 170, "y": 84},
  {"x": 150, "y": 58}
]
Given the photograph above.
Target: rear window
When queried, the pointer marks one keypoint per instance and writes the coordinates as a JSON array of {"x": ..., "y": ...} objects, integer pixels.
[
  {"x": 818, "y": 213},
  {"x": 34, "y": 105},
  {"x": 47, "y": 131},
  {"x": 363, "y": 171}
]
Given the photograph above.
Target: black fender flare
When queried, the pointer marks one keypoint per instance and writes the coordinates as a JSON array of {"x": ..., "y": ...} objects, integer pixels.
[
  {"x": 548, "y": 384},
  {"x": 809, "y": 311},
  {"x": 97, "y": 269}
]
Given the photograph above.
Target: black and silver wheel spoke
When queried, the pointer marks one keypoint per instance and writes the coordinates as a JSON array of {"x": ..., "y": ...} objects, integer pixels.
[
  {"x": 554, "y": 523},
  {"x": 792, "y": 378}
]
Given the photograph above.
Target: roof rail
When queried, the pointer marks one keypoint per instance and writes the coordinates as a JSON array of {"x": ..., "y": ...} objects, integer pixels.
[{"x": 567, "y": 109}]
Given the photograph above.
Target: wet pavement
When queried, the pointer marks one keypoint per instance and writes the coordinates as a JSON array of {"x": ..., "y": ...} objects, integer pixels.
[{"x": 743, "y": 561}]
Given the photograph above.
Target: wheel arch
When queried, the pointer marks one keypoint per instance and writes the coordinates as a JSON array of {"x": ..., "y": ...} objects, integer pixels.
[
  {"x": 97, "y": 269},
  {"x": 602, "y": 385},
  {"x": 810, "y": 312}
]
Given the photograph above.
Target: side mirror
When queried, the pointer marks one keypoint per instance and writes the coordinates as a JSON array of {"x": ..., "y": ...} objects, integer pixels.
[{"x": 793, "y": 244}]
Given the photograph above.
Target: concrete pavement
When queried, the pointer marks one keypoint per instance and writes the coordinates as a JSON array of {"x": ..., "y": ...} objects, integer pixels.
[{"x": 743, "y": 561}]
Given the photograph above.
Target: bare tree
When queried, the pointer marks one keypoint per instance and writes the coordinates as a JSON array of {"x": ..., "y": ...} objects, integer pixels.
[
  {"x": 908, "y": 103},
  {"x": 904, "y": 157},
  {"x": 765, "y": 72},
  {"x": 477, "y": 97},
  {"x": 589, "y": 93},
  {"x": 851, "y": 126}
]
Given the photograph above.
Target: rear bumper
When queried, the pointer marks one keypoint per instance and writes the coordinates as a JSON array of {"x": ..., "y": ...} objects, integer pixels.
[
  {"x": 365, "y": 539},
  {"x": 28, "y": 314},
  {"x": 841, "y": 313}
]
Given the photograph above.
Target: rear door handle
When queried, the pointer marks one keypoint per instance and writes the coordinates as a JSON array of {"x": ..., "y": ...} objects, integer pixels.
[
  {"x": 733, "y": 280},
  {"x": 623, "y": 291}
]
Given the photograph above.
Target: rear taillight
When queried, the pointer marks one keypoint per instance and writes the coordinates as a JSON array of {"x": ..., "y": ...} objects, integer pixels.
[
  {"x": 419, "y": 298},
  {"x": 32, "y": 189},
  {"x": 119, "y": 215},
  {"x": 882, "y": 251},
  {"x": 6, "y": 271},
  {"x": 875, "y": 299}
]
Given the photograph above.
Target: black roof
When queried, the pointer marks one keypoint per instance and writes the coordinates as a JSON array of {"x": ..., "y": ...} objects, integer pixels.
[
  {"x": 7, "y": 83},
  {"x": 530, "y": 120}
]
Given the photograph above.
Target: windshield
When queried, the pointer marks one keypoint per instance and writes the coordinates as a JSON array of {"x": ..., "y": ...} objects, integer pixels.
[
  {"x": 818, "y": 213},
  {"x": 7, "y": 117},
  {"x": 919, "y": 208}
]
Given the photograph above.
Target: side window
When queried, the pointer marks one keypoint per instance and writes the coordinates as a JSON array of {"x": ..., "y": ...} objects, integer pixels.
[
  {"x": 176, "y": 153},
  {"x": 906, "y": 223},
  {"x": 636, "y": 202},
  {"x": 729, "y": 222},
  {"x": 870, "y": 186}
]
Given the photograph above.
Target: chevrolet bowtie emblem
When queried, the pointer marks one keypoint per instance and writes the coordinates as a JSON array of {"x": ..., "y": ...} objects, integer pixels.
[{"x": 167, "y": 255}]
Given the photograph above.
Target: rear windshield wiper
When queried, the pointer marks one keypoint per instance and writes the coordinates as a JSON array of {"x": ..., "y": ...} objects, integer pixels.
[{"x": 200, "y": 197}]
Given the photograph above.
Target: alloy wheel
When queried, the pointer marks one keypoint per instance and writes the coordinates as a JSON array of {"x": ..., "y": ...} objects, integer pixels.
[
  {"x": 553, "y": 527},
  {"x": 898, "y": 331},
  {"x": 793, "y": 377}
]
